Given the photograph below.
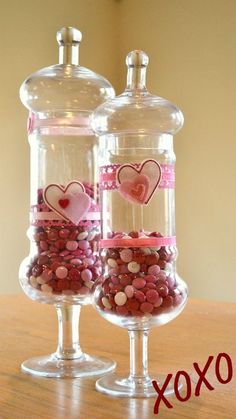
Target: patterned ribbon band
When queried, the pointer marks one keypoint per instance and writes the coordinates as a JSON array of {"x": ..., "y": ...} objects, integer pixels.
[
  {"x": 108, "y": 176},
  {"x": 41, "y": 213},
  {"x": 139, "y": 242}
]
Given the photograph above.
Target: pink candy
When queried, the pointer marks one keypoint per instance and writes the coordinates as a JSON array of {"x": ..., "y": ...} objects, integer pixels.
[
  {"x": 71, "y": 245},
  {"x": 61, "y": 272},
  {"x": 126, "y": 255},
  {"x": 137, "y": 283},
  {"x": 86, "y": 275}
]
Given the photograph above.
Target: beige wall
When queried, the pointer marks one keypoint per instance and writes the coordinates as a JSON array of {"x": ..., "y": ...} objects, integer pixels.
[
  {"x": 28, "y": 30},
  {"x": 192, "y": 49}
]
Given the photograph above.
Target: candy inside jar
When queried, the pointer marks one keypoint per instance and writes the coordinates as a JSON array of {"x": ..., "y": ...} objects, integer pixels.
[
  {"x": 139, "y": 281},
  {"x": 65, "y": 218},
  {"x": 139, "y": 287},
  {"x": 65, "y": 257}
]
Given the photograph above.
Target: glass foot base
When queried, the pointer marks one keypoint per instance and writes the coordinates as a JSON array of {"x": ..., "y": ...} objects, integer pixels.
[
  {"x": 52, "y": 366},
  {"x": 113, "y": 385}
]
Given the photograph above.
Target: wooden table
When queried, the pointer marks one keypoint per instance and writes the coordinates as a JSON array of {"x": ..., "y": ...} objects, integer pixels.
[{"x": 29, "y": 329}]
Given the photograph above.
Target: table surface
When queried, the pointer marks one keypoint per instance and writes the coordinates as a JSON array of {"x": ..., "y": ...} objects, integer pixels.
[{"x": 30, "y": 329}]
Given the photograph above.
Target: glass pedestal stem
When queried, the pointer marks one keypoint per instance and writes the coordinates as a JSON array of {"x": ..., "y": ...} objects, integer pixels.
[
  {"x": 68, "y": 360},
  {"x": 68, "y": 336},
  {"x": 139, "y": 357}
]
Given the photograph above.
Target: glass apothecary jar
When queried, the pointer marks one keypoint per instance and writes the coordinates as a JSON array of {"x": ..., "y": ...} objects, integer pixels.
[
  {"x": 140, "y": 287},
  {"x": 64, "y": 210}
]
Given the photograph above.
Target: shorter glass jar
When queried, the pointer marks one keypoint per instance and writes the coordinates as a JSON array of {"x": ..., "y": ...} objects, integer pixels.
[{"x": 140, "y": 287}]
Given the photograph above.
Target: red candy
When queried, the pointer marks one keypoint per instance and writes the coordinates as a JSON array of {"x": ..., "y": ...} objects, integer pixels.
[
  {"x": 65, "y": 252},
  {"x": 150, "y": 289}
]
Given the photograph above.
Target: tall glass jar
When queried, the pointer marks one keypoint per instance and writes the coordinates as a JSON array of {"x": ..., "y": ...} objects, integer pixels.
[
  {"x": 64, "y": 210},
  {"x": 140, "y": 287}
]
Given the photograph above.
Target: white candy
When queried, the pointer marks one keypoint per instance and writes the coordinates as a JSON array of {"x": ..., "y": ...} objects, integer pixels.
[
  {"x": 133, "y": 267},
  {"x": 112, "y": 263},
  {"x": 120, "y": 298},
  {"x": 82, "y": 236},
  {"x": 106, "y": 303},
  {"x": 89, "y": 284},
  {"x": 33, "y": 281},
  {"x": 46, "y": 288},
  {"x": 40, "y": 280},
  {"x": 146, "y": 250},
  {"x": 91, "y": 235}
]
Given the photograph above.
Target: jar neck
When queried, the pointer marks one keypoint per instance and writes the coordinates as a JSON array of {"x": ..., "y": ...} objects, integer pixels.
[
  {"x": 69, "y": 54},
  {"x": 136, "y": 78}
]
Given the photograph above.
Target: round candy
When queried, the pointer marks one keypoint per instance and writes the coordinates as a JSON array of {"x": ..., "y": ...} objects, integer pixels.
[
  {"x": 53, "y": 235},
  {"x": 133, "y": 267},
  {"x": 122, "y": 310},
  {"x": 89, "y": 284},
  {"x": 139, "y": 283},
  {"x": 88, "y": 261},
  {"x": 152, "y": 296},
  {"x": 43, "y": 260},
  {"x": 83, "y": 244},
  {"x": 86, "y": 275},
  {"x": 59, "y": 244},
  {"x": 61, "y": 272},
  {"x": 82, "y": 236},
  {"x": 112, "y": 263},
  {"x": 106, "y": 303},
  {"x": 129, "y": 291},
  {"x": 159, "y": 302},
  {"x": 64, "y": 233},
  {"x": 33, "y": 281},
  {"x": 126, "y": 255},
  {"x": 47, "y": 274},
  {"x": 120, "y": 298},
  {"x": 76, "y": 261},
  {"x": 43, "y": 245},
  {"x": 37, "y": 270},
  {"x": 162, "y": 290},
  {"x": 140, "y": 296},
  {"x": 46, "y": 288},
  {"x": 146, "y": 307},
  {"x": 154, "y": 270},
  {"x": 150, "y": 278},
  {"x": 71, "y": 245}
]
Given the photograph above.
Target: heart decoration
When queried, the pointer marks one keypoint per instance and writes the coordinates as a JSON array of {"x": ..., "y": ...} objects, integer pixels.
[
  {"x": 141, "y": 183},
  {"x": 63, "y": 202},
  {"x": 70, "y": 202}
]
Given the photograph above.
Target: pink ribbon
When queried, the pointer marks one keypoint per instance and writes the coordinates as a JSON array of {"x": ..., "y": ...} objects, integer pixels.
[{"x": 139, "y": 242}]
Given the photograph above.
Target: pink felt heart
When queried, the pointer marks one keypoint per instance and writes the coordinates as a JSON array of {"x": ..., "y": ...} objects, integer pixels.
[
  {"x": 138, "y": 185},
  {"x": 136, "y": 190},
  {"x": 71, "y": 202}
]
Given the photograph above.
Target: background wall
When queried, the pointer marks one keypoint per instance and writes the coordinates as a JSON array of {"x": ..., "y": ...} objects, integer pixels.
[{"x": 192, "y": 50}]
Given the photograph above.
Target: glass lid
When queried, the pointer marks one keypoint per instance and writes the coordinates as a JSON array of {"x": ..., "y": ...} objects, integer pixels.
[
  {"x": 67, "y": 87},
  {"x": 136, "y": 110}
]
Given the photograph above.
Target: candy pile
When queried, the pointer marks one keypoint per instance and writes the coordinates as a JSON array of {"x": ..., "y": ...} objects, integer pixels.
[
  {"x": 67, "y": 260},
  {"x": 66, "y": 257},
  {"x": 139, "y": 280}
]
